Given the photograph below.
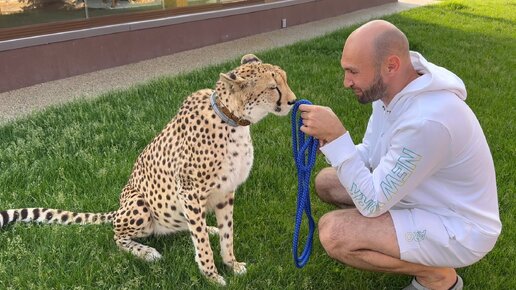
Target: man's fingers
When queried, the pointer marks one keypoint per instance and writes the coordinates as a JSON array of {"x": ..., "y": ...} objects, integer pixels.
[
  {"x": 305, "y": 107},
  {"x": 305, "y": 129},
  {"x": 307, "y": 123}
]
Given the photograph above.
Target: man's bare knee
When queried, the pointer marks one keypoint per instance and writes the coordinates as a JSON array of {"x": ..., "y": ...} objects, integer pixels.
[{"x": 333, "y": 239}]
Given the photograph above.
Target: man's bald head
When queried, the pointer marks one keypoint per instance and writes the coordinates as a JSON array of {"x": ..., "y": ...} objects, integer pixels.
[
  {"x": 380, "y": 39},
  {"x": 376, "y": 62}
]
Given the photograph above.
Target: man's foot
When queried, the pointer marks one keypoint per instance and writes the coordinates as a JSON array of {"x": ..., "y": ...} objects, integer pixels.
[{"x": 414, "y": 285}]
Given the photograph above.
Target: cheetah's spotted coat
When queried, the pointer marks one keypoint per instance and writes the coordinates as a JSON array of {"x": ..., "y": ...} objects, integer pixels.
[{"x": 192, "y": 167}]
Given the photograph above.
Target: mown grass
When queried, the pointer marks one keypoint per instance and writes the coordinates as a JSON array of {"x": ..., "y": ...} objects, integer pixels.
[{"x": 79, "y": 156}]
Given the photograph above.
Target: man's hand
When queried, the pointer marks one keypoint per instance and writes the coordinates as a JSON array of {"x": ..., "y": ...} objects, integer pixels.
[{"x": 321, "y": 123}]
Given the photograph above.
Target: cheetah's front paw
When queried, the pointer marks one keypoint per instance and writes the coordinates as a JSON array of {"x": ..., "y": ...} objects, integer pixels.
[
  {"x": 239, "y": 268},
  {"x": 151, "y": 255},
  {"x": 218, "y": 279},
  {"x": 213, "y": 230}
]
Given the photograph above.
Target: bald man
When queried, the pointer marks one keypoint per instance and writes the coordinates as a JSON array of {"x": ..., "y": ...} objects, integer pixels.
[{"x": 418, "y": 195}]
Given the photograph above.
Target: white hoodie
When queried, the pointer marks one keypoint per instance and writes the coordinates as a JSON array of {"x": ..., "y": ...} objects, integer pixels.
[{"x": 425, "y": 150}]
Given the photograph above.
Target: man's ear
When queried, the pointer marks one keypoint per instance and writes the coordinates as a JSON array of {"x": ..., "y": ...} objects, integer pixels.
[
  {"x": 249, "y": 58},
  {"x": 393, "y": 63}
]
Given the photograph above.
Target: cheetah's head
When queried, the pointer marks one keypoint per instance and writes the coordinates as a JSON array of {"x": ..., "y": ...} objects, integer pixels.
[{"x": 257, "y": 89}]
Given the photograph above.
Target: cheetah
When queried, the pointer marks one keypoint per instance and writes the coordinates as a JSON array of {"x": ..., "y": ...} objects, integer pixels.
[{"x": 191, "y": 168}]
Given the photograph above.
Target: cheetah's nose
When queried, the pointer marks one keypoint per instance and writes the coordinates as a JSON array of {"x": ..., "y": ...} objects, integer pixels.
[{"x": 291, "y": 102}]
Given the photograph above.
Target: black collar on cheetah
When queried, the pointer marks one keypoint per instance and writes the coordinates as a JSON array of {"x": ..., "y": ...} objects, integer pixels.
[{"x": 224, "y": 113}]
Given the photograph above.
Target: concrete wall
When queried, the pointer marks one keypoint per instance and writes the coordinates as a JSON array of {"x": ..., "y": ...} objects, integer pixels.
[{"x": 34, "y": 60}]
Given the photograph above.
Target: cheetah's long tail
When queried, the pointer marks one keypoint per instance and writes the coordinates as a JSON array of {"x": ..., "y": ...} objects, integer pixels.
[{"x": 53, "y": 216}]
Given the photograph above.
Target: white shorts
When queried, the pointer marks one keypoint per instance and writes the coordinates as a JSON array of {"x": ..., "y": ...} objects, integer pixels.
[{"x": 423, "y": 239}]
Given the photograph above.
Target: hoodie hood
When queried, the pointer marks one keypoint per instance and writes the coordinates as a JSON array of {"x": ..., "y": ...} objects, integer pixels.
[{"x": 433, "y": 78}]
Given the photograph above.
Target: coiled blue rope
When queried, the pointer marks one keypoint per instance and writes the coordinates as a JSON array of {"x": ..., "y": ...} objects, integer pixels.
[{"x": 304, "y": 150}]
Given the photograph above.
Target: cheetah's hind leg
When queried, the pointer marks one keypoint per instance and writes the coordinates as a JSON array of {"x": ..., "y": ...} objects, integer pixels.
[{"x": 134, "y": 220}]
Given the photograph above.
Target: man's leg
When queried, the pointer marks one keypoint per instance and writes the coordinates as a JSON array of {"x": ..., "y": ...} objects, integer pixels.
[
  {"x": 368, "y": 243},
  {"x": 330, "y": 190}
]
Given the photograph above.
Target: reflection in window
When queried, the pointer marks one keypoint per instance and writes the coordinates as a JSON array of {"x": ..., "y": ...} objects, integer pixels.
[{"x": 15, "y": 13}]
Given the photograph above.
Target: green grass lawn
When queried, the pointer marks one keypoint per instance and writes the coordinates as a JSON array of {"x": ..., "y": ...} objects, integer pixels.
[{"x": 80, "y": 155}]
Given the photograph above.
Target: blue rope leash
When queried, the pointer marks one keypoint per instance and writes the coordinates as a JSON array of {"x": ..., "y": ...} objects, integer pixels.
[{"x": 304, "y": 165}]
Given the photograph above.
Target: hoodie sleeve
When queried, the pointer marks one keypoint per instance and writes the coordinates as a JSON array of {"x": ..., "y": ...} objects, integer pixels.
[
  {"x": 365, "y": 147},
  {"x": 417, "y": 150}
]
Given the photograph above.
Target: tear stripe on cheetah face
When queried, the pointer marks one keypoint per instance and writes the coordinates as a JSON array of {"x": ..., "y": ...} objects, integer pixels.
[{"x": 193, "y": 167}]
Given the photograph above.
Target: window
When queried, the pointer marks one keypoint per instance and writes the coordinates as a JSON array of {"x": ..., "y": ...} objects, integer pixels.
[{"x": 22, "y": 18}]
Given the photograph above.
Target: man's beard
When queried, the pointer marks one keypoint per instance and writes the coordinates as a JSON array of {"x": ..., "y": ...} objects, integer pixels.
[{"x": 375, "y": 92}]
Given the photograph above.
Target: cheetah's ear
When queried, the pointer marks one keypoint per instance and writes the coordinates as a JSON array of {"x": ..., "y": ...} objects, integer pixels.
[
  {"x": 231, "y": 79},
  {"x": 250, "y": 58}
]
